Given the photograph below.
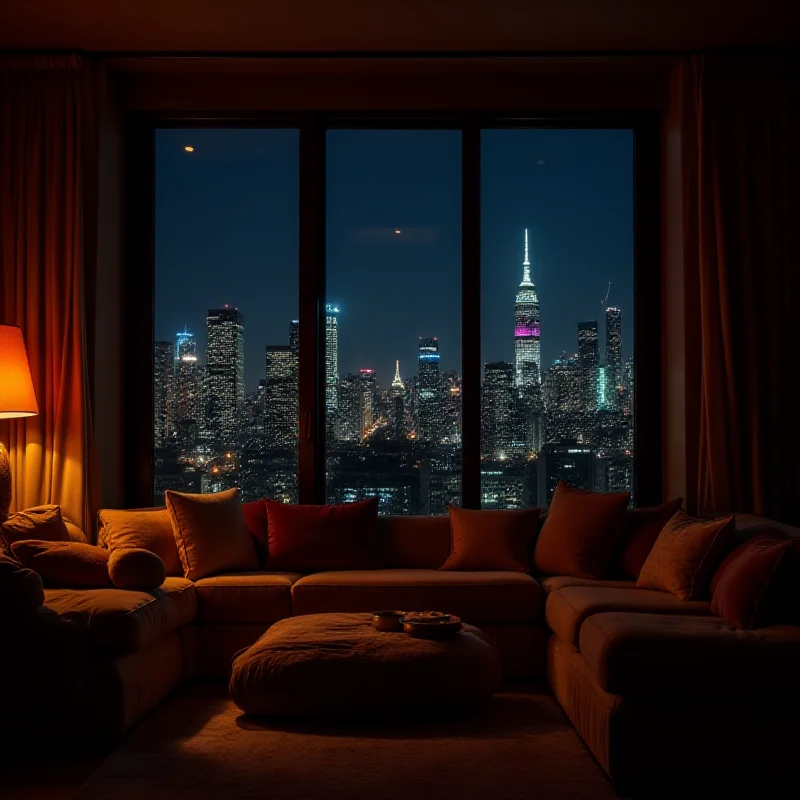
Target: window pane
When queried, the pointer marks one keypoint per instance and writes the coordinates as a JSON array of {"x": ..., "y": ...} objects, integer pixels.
[
  {"x": 393, "y": 323},
  {"x": 226, "y": 302},
  {"x": 557, "y": 313}
]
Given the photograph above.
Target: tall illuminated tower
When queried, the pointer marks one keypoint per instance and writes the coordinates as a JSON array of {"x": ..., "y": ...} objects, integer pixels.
[
  {"x": 429, "y": 409},
  {"x": 527, "y": 348},
  {"x": 163, "y": 393},
  {"x": 398, "y": 387},
  {"x": 613, "y": 337},
  {"x": 225, "y": 374},
  {"x": 281, "y": 397},
  {"x": 331, "y": 364},
  {"x": 187, "y": 394}
]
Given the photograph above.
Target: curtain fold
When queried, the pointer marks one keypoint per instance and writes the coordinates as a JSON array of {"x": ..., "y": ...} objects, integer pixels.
[
  {"x": 48, "y": 161},
  {"x": 746, "y": 222}
]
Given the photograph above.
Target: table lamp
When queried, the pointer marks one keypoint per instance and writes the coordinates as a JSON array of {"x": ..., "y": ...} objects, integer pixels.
[{"x": 17, "y": 398}]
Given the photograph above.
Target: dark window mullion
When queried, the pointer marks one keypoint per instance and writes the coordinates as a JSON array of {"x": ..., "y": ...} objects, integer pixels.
[
  {"x": 471, "y": 315},
  {"x": 311, "y": 455}
]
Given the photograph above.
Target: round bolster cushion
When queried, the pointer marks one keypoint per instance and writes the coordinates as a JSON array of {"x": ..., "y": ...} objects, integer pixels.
[{"x": 137, "y": 569}]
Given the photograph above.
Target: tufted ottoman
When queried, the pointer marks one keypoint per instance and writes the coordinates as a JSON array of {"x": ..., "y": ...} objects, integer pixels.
[{"x": 338, "y": 664}]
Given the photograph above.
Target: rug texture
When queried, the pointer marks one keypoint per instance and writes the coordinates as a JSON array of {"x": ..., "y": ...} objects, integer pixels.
[{"x": 198, "y": 745}]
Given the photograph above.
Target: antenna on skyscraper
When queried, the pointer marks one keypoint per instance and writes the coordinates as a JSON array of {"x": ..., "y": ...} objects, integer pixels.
[{"x": 604, "y": 301}]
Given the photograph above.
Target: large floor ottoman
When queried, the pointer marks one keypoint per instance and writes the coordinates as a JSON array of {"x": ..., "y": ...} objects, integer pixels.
[{"x": 339, "y": 664}]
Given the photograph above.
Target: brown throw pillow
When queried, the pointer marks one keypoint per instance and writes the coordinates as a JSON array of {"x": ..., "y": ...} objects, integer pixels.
[
  {"x": 43, "y": 523},
  {"x": 758, "y": 587},
  {"x": 685, "y": 555},
  {"x": 136, "y": 569},
  {"x": 308, "y": 538},
  {"x": 144, "y": 528},
  {"x": 21, "y": 589},
  {"x": 580, "y": 533},
  {"x": 491, "y": 540},
  {"x": 211, "y": 533},
  {"x": 640, "y": 529},
  {"x": 67, "y": 564}
]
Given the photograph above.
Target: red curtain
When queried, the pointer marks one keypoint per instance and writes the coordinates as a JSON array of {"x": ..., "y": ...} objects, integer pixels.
[
  {"x": 746, "y": 127},
  {"x": 48, "y": 184}
]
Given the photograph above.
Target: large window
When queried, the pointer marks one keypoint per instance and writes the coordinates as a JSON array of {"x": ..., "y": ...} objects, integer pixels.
[
  {"x": 433, "y": 313},
  {"x": 557, "y": 313},
  {"x": 226, "y": 303},
  {"x": 393, "y": 319}
]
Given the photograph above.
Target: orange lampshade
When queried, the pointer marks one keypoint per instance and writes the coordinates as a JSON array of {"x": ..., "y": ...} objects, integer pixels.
[{"x": 17, "y": 398}]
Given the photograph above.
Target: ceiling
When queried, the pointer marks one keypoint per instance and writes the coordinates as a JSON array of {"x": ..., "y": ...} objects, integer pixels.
[{"x": 257, "y": 26}]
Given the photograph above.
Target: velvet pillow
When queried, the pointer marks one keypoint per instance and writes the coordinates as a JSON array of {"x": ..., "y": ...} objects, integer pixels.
[
  {"x": 255, "y": 518},
  {"x": 640, "y": 529},
  {"x": 764, "y": 534},
  {"x": 21, "y": 589},
  {"x": 211, "y": 533},
  {"x": 491, "y": 540},
  {"x": 319, "y": 538},
  {"x": 581, "y": 532},
  {"x": 145, "y": 528},
  {"x": 758, "y": 587},
  {"x": 43, "y": 523},
  {"x": 67, "y": 564},
  {"x": 136, "y": 569},
  {"x": 685, "y": 555}
]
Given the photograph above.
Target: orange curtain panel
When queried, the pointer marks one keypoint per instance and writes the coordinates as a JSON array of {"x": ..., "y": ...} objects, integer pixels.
[
  {"x": 47, "y": 185},
  {"x": 746, "y": 208}
]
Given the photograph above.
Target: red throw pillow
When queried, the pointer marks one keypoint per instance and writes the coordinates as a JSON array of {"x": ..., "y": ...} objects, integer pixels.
[
  {"x": 255, "y": 518},
  {"x": 321, "y": 538},
  {"x": 766, "y": 535},
  {"x": 491, "y": 540},
  {"x": 68, "y": 564},
  {"x": 640, "y": 529},
  {"x": 757, "y": 589},
  {"x": 580, "y": 533}
]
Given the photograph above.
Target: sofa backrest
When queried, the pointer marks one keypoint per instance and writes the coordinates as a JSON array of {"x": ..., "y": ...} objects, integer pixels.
[{"x": 414, "y": 542}]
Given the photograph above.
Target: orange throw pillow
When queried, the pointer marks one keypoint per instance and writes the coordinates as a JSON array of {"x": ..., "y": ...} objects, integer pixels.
[
  {"x": 318, "y": 538},
  {"x": 136, "y": 569},
  {"x": 68, "y": 564},
  {"x": 211, "y": 533},
  {"x": 758, "y": 587},
  {"x": 685, "y": 555},
  {"x": 640, "y": 529},
  {"x": 43, "y": 523},
  {"x": 144, "y": 528},
  {"x": 580, "y": 533},
  {"x": 491, "y": 540}
]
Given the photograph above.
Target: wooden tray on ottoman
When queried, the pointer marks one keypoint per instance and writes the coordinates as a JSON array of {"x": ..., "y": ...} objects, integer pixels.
[{"x": 321, "y": 664}]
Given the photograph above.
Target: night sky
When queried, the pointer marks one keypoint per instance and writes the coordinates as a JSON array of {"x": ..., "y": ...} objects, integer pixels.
[{"x": 227, "y": 232}]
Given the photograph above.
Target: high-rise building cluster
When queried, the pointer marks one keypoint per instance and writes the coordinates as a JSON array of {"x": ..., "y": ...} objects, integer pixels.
[{"x": 571, "y": 419}]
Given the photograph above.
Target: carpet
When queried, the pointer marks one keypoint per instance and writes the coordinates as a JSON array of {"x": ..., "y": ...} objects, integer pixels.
[{"x": 197, "y": 745}]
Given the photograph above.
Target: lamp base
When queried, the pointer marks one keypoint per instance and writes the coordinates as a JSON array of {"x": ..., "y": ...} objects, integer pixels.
[{"x": 5, "y": 483}]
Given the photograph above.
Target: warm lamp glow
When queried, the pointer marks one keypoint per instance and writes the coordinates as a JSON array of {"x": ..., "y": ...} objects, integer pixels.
[{"x": 17, "y": 398}]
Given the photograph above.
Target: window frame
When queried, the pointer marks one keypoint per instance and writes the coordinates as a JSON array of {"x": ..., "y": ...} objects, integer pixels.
[{"x": 139, "y": 280}]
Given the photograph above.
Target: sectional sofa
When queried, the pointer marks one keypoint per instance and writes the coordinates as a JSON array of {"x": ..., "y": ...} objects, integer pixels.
[{"x": 652, "y": 684}]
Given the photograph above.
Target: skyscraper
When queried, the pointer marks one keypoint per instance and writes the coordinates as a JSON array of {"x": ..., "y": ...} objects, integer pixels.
[
  {"x": 294, "y": 336},
  {"x": 163, "y": 393},
  {"x": 498, "y": 409},
  {"x": 588, "y": 355},
  {"x": 398, "y": 387},
  {"x": 349, "y": 418},
  {"x": 429, "y": 407},
  {"x": 366, "y": 400},
  {"x": 281, "y": 397},
  {"x": 527, "y": 348},
  {"x": 225, "y": 375},
  {"x": 613, "y": 337},
  {"x": 331, "y": 365},
  {"x": 188, "y": 389}
]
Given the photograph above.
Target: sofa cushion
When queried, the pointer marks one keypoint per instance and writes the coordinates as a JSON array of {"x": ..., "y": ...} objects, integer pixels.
[
  {"x": 211, "y": 533},
  {"x": 414, "y": 542},
  {"x": 553, "y": 583},
  {"x": 121, "y": 621},
  {"x": 148, "y": 528},
  {"x": 474, "y": 596},
  {"x": 581, "y": 532},
  {"x": 72, "y": 564},
  {"x": 567, "y": 608},
  {"x": 136, "y": 569},
  {"x": 492, "y": 540},
  {"x": 640, "y": 529},
  {"x": 44, "y": 523},
  {"x": 245, "y": 597},
  {"x": 667, "y": 655}
]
